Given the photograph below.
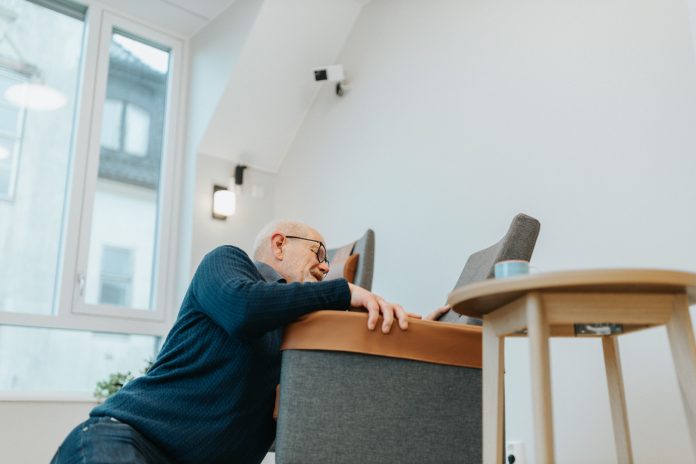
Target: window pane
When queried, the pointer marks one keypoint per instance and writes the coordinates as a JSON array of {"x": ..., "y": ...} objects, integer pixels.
[
  {"x": 116, "y": 276},
  {"x": 38, "y": 151},
  {"x": 137, "y": 130},
  {"x": 117, "y": 262},
  {"x": 8, "y": 167},
  {"x": 111, "y": 125},
  {"x": 125, "y": 208},
  {"x": 10, "y": 117},
  {"x": 34, "y": 359}
]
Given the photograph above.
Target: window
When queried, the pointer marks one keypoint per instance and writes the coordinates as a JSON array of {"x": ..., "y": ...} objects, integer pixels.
[
  {"x": 126, "y": 208},
  {"x": 30, "y": 243},
  {"x": 86, "y": 193},
  {"x": 38, "y": 359},
  {"x": 11, "y": 119},
  {"x": 126, "y": 132}
]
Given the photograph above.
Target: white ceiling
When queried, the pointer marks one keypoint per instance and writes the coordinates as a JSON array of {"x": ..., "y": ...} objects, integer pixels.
[{"x": 181, "y": 17}]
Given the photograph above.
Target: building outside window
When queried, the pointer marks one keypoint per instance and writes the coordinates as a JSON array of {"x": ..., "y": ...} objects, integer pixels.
[
  {"x": 125, "y": 129},
  {"x": 116, "y": 276}
]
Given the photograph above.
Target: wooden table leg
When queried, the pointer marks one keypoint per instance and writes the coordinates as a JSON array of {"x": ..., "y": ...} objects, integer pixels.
[
  {"x": 681, "y": 340},
  {"x": 538, "y": 332},
  {"x": 493, "y": 386},
  {"x": 617, "y": 400}
]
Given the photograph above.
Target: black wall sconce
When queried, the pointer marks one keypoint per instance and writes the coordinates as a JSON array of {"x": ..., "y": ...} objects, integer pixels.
[{"x": 225, "y": 198}]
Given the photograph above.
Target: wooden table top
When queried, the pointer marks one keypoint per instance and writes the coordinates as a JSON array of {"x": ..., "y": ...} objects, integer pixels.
[{"x": 481, "y": 298}]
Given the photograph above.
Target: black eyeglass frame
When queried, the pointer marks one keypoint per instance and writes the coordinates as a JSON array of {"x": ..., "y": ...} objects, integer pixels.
[{"x": 321, "y": 245}]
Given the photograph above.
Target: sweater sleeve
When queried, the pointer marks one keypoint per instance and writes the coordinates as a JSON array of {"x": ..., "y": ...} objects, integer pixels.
[{"x": 231, "y": 292}]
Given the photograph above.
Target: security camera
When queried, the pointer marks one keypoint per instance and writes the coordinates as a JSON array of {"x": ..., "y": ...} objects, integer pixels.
[{"x": 331, "y": 73}]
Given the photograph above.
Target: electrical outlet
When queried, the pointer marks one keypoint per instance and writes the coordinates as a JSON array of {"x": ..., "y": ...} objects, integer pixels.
[{"x": 514, "y": 452}]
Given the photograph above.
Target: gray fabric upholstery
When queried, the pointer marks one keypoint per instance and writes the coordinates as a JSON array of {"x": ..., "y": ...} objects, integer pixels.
[
  {"x": 345, "y": 408},
  {"x": 518, "y": 243},
  {"x": 365, "y": 246}
]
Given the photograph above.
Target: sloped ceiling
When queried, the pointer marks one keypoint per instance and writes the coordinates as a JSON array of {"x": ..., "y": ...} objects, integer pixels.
[
  {"x": 272, "y": 86},
  {"x": 182, "y": 17}
]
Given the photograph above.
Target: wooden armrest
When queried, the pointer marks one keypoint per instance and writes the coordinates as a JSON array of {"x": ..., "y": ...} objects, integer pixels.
[{"x": 427, "y": 341}]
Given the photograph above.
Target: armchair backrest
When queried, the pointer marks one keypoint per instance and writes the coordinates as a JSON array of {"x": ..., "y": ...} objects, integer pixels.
[
  {"x": 518, "y": 243},
  {"x": 354, "y": 261}
]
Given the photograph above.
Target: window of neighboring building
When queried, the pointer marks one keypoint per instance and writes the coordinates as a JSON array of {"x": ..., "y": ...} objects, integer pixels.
[
  {"x": 116, "y": 276},
  {"x": 125, "y": 128},
  {"x": 137, "y": 136}
]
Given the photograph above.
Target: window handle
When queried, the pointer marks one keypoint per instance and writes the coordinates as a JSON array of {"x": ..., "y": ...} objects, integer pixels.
[{"x": 81, "y": 282}]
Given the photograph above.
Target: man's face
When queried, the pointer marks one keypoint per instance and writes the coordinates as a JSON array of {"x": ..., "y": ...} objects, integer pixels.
[{"x": 300, "y": 262}]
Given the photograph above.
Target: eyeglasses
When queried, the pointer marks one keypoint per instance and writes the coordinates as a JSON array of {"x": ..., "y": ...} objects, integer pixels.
[{"x": 321, "y": 251}]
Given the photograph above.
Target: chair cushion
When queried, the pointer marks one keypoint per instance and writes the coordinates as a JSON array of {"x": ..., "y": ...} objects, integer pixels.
[
  {"x": 349, "y": 267},
  {"x": 343, "y": 264}
]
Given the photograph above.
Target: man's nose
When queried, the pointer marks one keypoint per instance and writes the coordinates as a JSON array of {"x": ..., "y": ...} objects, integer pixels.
[{"x": 324, "y": 267}]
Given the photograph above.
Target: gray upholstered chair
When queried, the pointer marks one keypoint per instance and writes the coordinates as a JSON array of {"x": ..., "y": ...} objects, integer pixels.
[
  {"x": 518, "y": 243},
  {"x": 352, "y": 396},
  {"x": 354, "y": 261}
]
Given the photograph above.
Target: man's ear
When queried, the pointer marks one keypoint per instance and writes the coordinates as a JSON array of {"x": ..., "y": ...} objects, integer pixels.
[{"x": 277, "y": 242}]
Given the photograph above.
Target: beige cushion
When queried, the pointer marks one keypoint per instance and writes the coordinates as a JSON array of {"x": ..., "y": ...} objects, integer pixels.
[
  {"x": 343, "y": 264},
  {"x": 350, "y": 266}
]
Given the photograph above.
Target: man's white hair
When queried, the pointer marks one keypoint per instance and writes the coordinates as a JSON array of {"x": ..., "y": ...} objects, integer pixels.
[{"x": 262, "y": 243}]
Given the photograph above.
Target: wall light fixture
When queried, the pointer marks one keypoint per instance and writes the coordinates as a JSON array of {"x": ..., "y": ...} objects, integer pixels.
[{"x": 225, "y": 198}]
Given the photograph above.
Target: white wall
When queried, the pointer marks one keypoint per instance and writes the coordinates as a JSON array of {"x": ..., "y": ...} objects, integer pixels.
[
  {"x": 239, "y": 229},
  {"x": 465, "y": 113},
  {"x": 32, "y": 430},
  {"x": 214, "y": 52}
]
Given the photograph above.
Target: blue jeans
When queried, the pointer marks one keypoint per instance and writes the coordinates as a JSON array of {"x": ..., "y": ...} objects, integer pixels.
[{"x": 105, "y": 440}]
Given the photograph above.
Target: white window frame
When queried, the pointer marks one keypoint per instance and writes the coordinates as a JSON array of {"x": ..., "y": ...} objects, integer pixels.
[{"x": 69, "y": 308}]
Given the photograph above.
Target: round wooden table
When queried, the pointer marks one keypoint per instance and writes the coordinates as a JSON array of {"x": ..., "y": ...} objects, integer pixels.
[{"x": 600, "y": 303}]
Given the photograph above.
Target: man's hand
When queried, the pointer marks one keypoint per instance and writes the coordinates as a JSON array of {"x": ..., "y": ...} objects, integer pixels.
[
  {"x": 438, "y": 313},
  {"x": 361, "y": 298}
]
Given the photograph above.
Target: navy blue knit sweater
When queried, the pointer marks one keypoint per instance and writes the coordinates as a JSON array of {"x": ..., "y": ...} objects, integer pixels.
[{"x": 209, "y": 396}]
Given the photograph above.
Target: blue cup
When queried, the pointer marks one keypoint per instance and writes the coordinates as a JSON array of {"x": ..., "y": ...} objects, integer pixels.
[{"x": 511, "y": 268}]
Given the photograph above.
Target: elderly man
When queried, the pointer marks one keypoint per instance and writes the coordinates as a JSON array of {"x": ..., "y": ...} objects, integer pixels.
[{"x": 209, "y": 395}]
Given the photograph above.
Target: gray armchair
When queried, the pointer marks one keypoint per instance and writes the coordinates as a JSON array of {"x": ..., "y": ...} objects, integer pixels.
[
  {"x": 518, "y": 243},
  {"x": 351, "y": 396},
  {"x": 354, "y": 261}
]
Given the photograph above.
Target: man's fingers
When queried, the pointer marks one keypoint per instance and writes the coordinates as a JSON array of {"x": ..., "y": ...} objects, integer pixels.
[
  {"x": 402, "y": 316},
  {"x": 388, "y": 314},
  {"x": 376, "y": 305},
  {"x": 441, "y": 311},
  {"x": 373, "y": 312},
  {"x": 438, "y": 313}
]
